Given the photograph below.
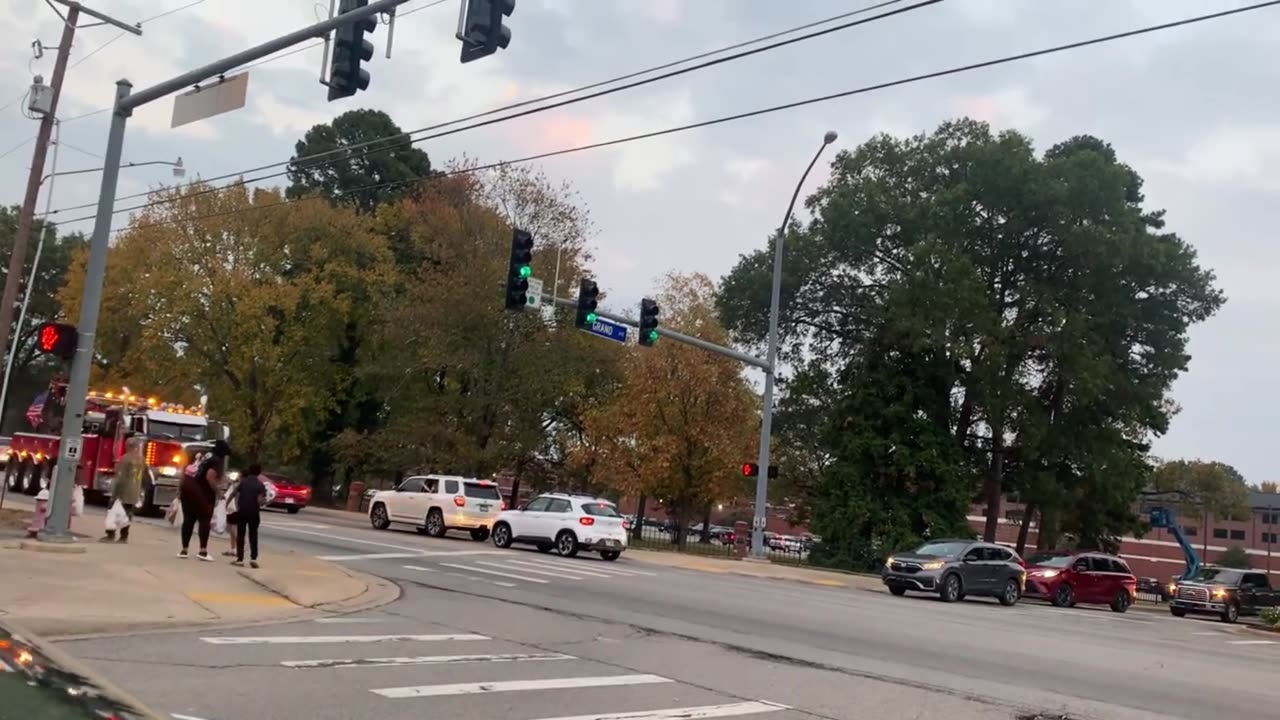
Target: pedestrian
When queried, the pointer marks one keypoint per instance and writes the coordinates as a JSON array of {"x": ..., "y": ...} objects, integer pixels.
[
  {"x": 198, "y": 494},
  {"x": 250, "y": 496},
  {"x": 233, "y": 518},
  {"x": 126, "y": 488}
]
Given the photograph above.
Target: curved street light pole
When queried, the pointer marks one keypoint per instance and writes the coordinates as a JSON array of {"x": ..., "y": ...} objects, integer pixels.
[{"x": 766, "y": 416}]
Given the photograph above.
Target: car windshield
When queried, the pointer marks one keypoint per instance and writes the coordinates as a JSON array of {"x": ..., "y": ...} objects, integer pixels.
[
  {"x": 600, "y": 509},
  {"x": 1049, "y": 560},
  {"x": 483, "y": 492},
  {"x": 174, "y": 430},
  {"x": 941, "y": 549},
  {"x": 1218, "y": 575}
]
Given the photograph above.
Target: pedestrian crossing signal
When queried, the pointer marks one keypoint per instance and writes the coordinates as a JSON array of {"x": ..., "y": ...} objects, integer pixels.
[
  {"x": 751, "y": 470},
  {"x": 57, "y": 339}
]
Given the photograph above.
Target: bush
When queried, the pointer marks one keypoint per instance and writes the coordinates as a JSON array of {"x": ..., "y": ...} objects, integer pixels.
[
  {"x": 1271, "y": 616},
  {"x": 1234, "y": 557}
]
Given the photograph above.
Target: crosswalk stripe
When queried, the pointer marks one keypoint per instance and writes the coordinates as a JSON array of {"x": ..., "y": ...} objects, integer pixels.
[
  {"x": 599, "y": 568},
  {"x": 368, "y": 556},
  {"x": 518, "y": 685},
  {"x": 685, "y": 713},
  {"x": 558, "y": 566},
  {"x": 322, "y": 639},
  {"x": 419, "y": 568},
  {"x": 540, "y": 571},
  {"x": 424, "y": 660},
  {"x": 1251, "y": 642},
  {"x": 470, "y": 568}
]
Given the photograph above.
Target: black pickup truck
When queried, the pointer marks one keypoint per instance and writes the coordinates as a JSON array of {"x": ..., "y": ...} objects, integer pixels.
[{"x": 1225, "y": 592}]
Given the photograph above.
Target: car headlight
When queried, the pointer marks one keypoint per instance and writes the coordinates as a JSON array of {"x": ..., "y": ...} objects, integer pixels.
[
  {"x": 168, "y": 471},
  {"x": 1049, "y": 573},
  {"x": 933, "y": 565},
  {"x": 1219, "y": 593}
]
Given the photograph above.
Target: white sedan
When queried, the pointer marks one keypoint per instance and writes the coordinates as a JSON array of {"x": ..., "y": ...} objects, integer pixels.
[{"x": 564, "y": 523}]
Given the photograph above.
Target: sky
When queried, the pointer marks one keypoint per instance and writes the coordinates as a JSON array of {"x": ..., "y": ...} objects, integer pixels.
[{"x": 1191, "y": 109}]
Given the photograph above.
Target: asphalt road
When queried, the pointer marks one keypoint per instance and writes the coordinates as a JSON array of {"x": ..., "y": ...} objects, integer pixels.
[{"x": 518, "y": 635}]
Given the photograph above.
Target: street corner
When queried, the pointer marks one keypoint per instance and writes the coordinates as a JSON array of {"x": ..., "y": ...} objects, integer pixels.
[{"x": 320, "y": 585}]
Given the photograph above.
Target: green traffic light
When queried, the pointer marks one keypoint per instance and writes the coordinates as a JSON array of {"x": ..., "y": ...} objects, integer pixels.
[
  {"x": 525, "y": 271},
  {"x": 591, "y": 317},
  {"x": 653, "y": 336}
]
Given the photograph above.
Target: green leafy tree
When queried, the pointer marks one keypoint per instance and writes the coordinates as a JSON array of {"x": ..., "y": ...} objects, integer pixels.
[
  {"x": 1035, "y": 294},
  {"x": 327, "y": 161},
  {"x": 1203, "y": 489},
  {"x": 1234, "y": 557},
  {"x": 31, "y": 370}
]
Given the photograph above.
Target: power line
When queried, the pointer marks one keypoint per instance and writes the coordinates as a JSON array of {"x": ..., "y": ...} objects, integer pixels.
[
  {"x": 743, "y": 115},
  {"x": 15, "y": 148},
  {"x": 342, "y": 154}
]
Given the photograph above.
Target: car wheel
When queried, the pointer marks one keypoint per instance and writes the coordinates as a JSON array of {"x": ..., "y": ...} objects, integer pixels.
[
  {"x": 951, "y": 590},
  {"x": 294, "y": 510},
  {"x": 610, "y": 555},
  {"x": 1064, "y": 597},
  {"x": 480, "y": 534},
  {"x": 1177, "y": 612},
  {"x": 1009, "y": 594},
  {"x": 1232, "y": 613},
  {"x": 897, "y": 590},
  {"x": 545, "y": 547},
  {"x": 502, "y": 535},
  {"x": 378, "y": 517},
  {"x": 567, "y": 544},
  {"x": 435, "y": 524},
  {"x": 1120, "y": 603}
]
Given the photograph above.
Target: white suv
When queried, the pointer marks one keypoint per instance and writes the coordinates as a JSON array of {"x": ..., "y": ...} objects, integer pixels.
[
  {"x": 564, "y": 523},
  {"x": 436, "y": 504}
]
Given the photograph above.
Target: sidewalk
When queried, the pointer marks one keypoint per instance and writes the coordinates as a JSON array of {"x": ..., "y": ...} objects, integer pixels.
[
  {"x": 757, "y": 569},
  {"x": 113, "y": 588}
]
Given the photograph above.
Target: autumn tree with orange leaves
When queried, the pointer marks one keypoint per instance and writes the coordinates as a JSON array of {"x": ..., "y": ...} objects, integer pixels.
[{"x": 683, "y": 420}]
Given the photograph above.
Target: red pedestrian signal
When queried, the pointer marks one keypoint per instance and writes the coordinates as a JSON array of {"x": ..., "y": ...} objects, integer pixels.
[
  {"x": 57, "y": 339},
  {"x": 750, "y": 470}
]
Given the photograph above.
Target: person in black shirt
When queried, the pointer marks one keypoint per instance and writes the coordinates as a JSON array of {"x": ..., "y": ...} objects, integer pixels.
[
  {"x": 198, "y": 495},
  {"x": 249, "y": 497}
]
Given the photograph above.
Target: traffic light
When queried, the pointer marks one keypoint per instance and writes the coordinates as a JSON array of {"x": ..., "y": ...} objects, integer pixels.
[
  {"x": 750, "y": 470},
  {"x": 482, "y": 29},
  {"x": 648, "y": 322},
  {"x": 346, "y": 77},
  {"x": 587, "y": 293},
  {"x": 519, "y": 271},
  {"x": 57, "y": 339}
]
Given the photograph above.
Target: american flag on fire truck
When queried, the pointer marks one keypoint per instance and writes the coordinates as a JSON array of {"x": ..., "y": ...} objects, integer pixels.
[{"x": 35, "y": 413}]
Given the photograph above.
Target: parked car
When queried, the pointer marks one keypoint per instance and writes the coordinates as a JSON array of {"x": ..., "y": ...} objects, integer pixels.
[
  {"x": 289, "y": 495},
  {"x": 565, "y": 523},
  {"x": 955, "y": 569},
  {"x": 1065, "y": 579},
  {"x": 436, "y": 504},
  {"x": 1225, "y": 592},
  {"x": 40, "y": 681}
]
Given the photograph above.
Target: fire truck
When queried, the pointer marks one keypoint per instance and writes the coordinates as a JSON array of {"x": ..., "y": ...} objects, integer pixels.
[{"x": 174, "y": 434}]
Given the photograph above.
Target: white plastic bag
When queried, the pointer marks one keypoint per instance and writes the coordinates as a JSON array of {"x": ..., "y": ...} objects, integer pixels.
[
  {"x": 77, "y": 501},
  {"x": 220, "y": 519},
  {"x": 174, "y": 514},
  {"x": 271, "y": 492},
  {"x": 117, "y": 518}
]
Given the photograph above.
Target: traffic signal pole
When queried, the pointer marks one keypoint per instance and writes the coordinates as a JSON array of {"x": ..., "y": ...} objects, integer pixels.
[{"x": 58, "y": 527}]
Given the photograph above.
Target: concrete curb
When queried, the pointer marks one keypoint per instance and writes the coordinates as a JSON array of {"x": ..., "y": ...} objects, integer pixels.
[{"x": 378, "y": 592}]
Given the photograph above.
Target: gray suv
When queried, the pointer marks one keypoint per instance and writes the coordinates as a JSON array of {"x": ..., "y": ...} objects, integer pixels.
[{"x": 956, "y": 568}]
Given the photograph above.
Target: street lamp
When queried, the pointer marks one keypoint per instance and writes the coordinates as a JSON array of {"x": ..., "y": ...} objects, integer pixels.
[
  {"x": 766, "y": 415},
  {"x": 179, "y": 170}
]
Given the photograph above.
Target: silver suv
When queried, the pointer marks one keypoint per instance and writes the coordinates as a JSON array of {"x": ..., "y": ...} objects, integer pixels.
[{"x": 956, "y": 568}]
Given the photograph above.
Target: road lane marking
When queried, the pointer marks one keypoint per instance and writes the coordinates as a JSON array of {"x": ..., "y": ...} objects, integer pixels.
[
  {"x": 345, "y": 620},
  {"x": 331, "y": 536},
  {"x": 425, "y": 660},
  {"x": 419, "y": 568},
  {"x": 518, "y": 685},
  {"x": 1251, "y": 642},
  {"x": 540, "y": 571},
  {"x": 370, "y": 556},
  {"x": 685, "y": 713},
  {"x": 321, "y": 639},
  {"x": 1218, "y": 633},
  {"x": 559, "y": 566},
  {"x": 583, "y": 566},
  {"x": 469, "y": 568},
  {"x": 288, "y": 525}
]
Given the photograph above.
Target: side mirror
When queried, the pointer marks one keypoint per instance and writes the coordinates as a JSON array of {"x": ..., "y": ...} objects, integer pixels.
[{"x": 969, "y": 558}]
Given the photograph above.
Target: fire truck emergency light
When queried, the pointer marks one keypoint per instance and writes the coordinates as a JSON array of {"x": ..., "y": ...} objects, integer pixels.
[{"x": 58, "y": 339}]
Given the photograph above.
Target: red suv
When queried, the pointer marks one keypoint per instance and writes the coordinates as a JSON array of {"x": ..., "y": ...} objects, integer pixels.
[{"x": 1094, "y": 578}]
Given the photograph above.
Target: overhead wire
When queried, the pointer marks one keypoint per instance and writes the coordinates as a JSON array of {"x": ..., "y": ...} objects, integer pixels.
[
  {"x": 369, "y": 147},
  {"x": 955, "y": 70}
]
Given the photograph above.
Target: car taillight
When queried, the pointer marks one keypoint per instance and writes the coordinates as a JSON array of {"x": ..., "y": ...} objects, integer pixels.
[
  {"x": 626, "y": 524},
  {"x": 504, "y": 504},
  {"x": 586, "y": 521},
  {"x": 306, "y": 491},
  {"x": 459, "y": 500}
]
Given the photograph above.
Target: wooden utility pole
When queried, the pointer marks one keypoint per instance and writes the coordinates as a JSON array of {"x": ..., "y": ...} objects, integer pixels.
[{"x": 26, "y": 216}]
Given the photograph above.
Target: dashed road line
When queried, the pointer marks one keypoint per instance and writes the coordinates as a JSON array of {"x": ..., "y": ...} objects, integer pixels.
[
  {"x": 336, "y": 639},
  {"x": 424, "y": 660},
  {"x": 470, "y": 568},
  {"x": 518, "y": 686},
  {"x": 685, "y": 713}
]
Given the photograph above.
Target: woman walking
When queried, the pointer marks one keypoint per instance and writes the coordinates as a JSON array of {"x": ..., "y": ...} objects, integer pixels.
[{"x": 198, "y": 495}]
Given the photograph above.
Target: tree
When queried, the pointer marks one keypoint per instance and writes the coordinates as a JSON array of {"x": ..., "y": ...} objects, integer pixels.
[
  {"x": 1035, "y": 295},
  {"x": 1268, "y": 486},
  {"x": 465, "y": 387},
  {"x": 684, "y": 419},
  {"x": 327, "y": 161},
  {"x": 1235, "y": 557},
  {"x": 31, "y": 370},
  {"x": 243, "y": 295},
  {"x": 1203, "y": 489}
]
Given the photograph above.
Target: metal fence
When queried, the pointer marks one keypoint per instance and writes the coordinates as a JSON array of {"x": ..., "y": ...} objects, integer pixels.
[{"x": 716, "y": 541}]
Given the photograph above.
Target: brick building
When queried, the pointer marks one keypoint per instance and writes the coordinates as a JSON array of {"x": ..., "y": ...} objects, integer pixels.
[{"x": 1158, "y": 555}]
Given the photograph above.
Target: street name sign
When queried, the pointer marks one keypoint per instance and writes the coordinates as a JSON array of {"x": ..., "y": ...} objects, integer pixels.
[{"x": 609, "y": 330}]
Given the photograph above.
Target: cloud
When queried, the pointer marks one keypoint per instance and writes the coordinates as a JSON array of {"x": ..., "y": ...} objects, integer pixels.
[
  {"x": 746, "y": 169},
  {"x": 1230, "y": 155},
  {"x": 1005, "y": 109}
]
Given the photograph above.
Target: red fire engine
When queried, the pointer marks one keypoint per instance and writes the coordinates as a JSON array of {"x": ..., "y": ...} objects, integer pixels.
[{"x": 174, "y": 435}]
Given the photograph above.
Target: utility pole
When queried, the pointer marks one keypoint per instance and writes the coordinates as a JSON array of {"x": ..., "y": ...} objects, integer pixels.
[{"x": 26, "y": 216}]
